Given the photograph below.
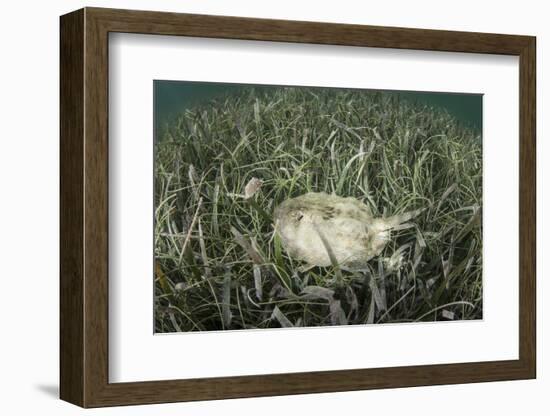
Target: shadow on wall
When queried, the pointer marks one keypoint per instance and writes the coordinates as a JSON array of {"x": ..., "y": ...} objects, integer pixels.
[{"x": 51, "y": 390}]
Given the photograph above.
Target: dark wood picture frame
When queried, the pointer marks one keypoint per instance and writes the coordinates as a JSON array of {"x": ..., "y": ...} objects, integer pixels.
[{"x": 84, "y": 207}]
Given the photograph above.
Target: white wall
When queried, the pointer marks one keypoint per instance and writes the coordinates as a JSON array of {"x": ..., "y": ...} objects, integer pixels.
[{"x": 29, "y": 205}]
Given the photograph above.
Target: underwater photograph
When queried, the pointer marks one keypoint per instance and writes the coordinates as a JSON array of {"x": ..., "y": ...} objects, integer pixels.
[{"x": 297, "y": 206}]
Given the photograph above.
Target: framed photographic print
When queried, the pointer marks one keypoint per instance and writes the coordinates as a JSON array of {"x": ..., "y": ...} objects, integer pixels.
[{"x": 255, "y": 207}]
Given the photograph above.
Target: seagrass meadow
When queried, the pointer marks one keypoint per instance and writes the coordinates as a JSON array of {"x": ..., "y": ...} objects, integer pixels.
[{"x": 224, "y": 163}]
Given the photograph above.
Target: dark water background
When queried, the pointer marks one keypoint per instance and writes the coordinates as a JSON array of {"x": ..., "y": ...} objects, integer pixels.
[{"x": 173, "y": 97}]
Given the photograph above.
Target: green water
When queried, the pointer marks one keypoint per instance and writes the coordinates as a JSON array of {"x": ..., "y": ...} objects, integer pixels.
[{"x": 173, "y": 97}]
